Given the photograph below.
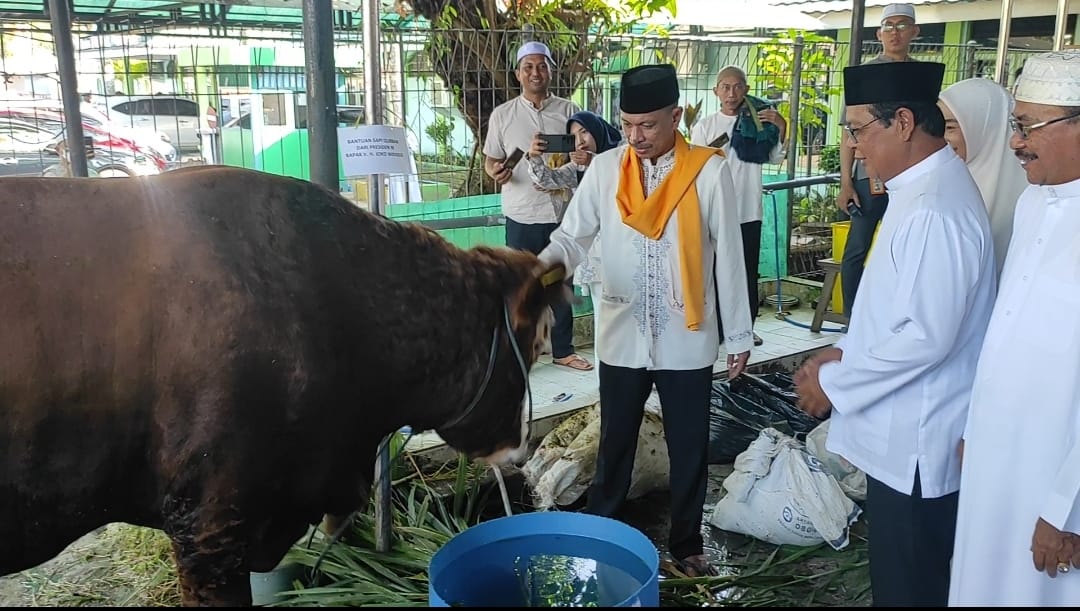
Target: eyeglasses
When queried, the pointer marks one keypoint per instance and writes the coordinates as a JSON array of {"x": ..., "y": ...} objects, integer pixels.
[
  {"x": 1024, "y": 131},
  {"x": 899, "y": 27},
  {"x": 854, "y": 131}
]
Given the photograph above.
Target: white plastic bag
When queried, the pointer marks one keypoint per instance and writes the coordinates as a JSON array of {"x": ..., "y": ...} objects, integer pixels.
[
  {"x": 780, "y": 494},
  {"x": 852, "y": 480},
  {"x": 560, "y": 475}
]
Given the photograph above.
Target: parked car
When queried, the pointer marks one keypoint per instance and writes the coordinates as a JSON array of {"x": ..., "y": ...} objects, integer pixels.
[
  {"x": 93, "y": 117},
  {"x": 28, "y": 150},
  {"x": 137, "y": 159},
  {"x": 177, "y": 116},
  {"x": 347, "y": 116}
]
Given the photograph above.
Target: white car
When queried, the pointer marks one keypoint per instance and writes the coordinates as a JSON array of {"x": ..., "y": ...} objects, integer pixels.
[{"x": 176, "y": 116}]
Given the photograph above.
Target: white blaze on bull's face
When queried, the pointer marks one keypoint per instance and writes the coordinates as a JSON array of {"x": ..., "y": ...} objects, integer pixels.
[
  {"x": 541, "y": 343},
  {"x": 542, "y": 339}
]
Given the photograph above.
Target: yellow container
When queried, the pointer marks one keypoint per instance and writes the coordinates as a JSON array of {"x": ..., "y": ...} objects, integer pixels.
[{"x": 839, "y": 239}]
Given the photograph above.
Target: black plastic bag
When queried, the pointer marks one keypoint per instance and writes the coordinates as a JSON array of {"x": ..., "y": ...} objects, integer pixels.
[{"x": 742, "y": 408}]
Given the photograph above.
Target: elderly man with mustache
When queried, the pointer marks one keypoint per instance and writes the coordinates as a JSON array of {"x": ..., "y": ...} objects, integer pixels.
[{"x": 1018, "y": 525}]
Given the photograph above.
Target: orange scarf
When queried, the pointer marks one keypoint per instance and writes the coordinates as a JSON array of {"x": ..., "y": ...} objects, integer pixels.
[{"x": 649, "y": 216}]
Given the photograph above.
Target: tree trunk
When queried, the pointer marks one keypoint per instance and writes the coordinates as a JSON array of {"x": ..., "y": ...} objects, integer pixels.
[{"x": 472, "y": 49}]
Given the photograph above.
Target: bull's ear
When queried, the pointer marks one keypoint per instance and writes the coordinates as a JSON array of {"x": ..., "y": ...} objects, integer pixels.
[
  {"x": 552, "y": 284},
  {"x": 546, "y": 288}
]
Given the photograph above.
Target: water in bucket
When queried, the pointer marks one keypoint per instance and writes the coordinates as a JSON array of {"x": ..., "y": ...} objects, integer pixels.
[
  {"x": 555, "y": 580},
  {"x": 546, "y": 559},
  {"x": 502, "y": 574}
]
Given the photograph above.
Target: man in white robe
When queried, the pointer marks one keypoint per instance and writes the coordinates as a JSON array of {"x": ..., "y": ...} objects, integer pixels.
[
  {"x": 720, "y": 129},
  {"x": 1019, "y": 517},
  {"x": 662, "y": 209},
  {"x": 898, "y": 384}
]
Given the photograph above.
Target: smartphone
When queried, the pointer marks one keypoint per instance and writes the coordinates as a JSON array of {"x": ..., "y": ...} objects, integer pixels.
[
  {"x": 720, "y": 141},
  {"x": 513, "y": 159},
  {"x": 852, "y": 209},
  {"x": 559, "y": 143}
]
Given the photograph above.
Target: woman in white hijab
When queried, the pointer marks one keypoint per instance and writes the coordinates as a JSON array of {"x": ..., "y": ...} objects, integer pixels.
[{"x": 977, "y": 127}]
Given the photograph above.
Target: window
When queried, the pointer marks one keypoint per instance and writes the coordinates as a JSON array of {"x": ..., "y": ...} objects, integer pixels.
[{"x": 274, "y": 109}]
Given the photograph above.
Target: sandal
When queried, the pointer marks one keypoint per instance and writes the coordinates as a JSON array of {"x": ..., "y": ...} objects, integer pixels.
[
  {"x": 697, "y": 566},
  {"x": 573, "y": 362}
]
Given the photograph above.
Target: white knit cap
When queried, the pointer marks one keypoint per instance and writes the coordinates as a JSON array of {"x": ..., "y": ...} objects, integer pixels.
[
  {"x": 1052, "y": 79},
  {"x": 901, "y": 10},
  {"x": 534, "y": 48}
]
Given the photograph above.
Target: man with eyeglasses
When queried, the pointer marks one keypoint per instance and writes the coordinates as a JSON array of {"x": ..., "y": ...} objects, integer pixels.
[
  {"x": 1020, "y": 507},
  {"x": 899, "y": 381},
  {"x": 863, "y": 196}
]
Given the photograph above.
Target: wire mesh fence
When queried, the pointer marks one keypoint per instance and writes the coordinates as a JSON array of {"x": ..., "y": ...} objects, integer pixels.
[{"x": 157, "y": 99}]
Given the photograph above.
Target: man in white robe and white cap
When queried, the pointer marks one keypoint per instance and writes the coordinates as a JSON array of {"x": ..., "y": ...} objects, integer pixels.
[
  {"x": 1017, "y": 537},
  {"x": 665, "y": 211},
  {"x": 898, "y": 383}
]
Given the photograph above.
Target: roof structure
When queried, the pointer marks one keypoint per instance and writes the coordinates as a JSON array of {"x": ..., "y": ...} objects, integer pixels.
[
  {"x": 115, "y": 15},
  {"x": 833, "y": 6},
  {"x": 837, "y": 13}
]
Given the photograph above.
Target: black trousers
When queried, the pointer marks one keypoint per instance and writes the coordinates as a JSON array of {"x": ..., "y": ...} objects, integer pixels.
[
  {"x": 860, "y": 235},
  {"x": 684, "y": 396},
  {"x": 534, "y": 237},
  {"x": 751, "y": 243},
  {"x": 911, "y": 545}
]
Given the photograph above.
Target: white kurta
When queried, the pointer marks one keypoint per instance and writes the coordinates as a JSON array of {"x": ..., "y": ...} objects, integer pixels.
[
  {"x": 746, "y": 175},
  {"x": 1022, "y": 442},
  {"x": 642, "y": 313},
  {"x": 900, "y": 392}
]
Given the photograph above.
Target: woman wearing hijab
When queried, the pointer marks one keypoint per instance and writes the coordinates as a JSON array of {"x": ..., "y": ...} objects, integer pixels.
[
  {"x": 977, "y": 127},
  {"x": 593, "y": 135}
]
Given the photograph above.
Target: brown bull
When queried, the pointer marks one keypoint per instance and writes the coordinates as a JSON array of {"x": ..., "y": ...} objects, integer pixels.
[{"x": 217, "y": 353}]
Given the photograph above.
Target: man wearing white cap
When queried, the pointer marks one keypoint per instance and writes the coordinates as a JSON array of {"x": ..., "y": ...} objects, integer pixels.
[
  {"x": 1017, "y": 531},
  {"x": 862, "y": 195},
  {"x": 532, "y": 214}
]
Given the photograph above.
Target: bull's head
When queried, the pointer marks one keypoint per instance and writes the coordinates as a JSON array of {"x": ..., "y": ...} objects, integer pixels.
[{"x": 495, "y": 425}]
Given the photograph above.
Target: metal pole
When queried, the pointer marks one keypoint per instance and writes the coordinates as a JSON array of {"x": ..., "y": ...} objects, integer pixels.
[
  {"x": 793, "y": 148},
  {"x": 373, "y": 102},
  {"x": 969, "y": 70},
  {"x": 60, "y": 15},
  {"x": 373, "y": 115},
  {"x": 1059, "y": 25},
  {"x": 318, "y": 31},
  {"x": 1004, "y": 28},
  {"x": 796, "y": 98},
  {"x": 858, "y": 15}
]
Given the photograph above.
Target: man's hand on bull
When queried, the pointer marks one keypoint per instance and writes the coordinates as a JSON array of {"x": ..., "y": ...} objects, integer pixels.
[{"x": 736, "y": 364}]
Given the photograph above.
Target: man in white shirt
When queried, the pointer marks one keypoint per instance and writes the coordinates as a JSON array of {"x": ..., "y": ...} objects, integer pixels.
[
  {"x": 899, "y": 382},
  {"x": 531, "y": 213},
  {"x": 744, "y": 118},
  {"x": 665, "y": 212},
  {"x": 1018, "y": 528}
]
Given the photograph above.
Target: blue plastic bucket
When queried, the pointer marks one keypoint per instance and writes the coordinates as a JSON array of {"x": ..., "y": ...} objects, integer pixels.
[{"x": 502, "y": 562}]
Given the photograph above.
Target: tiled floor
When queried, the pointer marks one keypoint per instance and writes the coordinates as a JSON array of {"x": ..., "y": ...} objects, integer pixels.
[{"x": 557, "y": 390}]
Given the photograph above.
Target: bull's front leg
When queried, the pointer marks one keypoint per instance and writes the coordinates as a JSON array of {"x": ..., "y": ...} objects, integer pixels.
[{"x": 210, "y": 545}]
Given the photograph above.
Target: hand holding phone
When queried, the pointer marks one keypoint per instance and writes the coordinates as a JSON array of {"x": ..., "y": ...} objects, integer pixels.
[
  {"x": 720, "y": 141},
  {"x": 513, "y": 159},
  {"x": 559, "y": 143},
  {"x": 853, "y": 209}
]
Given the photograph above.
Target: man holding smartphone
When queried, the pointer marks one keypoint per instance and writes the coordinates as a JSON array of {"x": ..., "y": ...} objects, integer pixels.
[
  {"x": 531, "y": 214},
  {"x": 726, "y": 130}
]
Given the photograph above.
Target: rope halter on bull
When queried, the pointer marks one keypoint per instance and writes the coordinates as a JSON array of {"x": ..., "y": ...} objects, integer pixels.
[{"x": 546, "y": 280}]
